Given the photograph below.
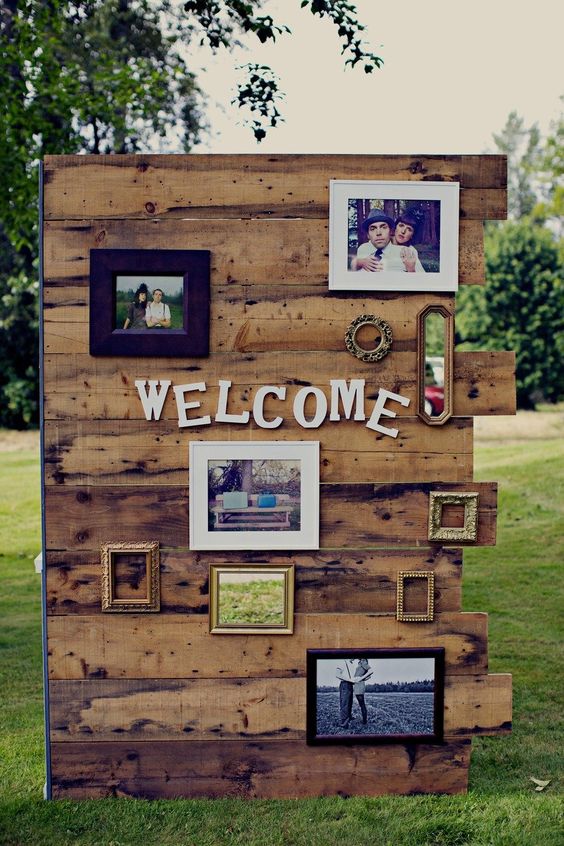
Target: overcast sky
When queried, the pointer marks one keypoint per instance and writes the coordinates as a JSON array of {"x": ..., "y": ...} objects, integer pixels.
[{"x": 453, "y": 71}]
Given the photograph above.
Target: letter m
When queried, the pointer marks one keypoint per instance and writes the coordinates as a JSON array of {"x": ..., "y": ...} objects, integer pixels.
[{"x": 348, "y": 394}]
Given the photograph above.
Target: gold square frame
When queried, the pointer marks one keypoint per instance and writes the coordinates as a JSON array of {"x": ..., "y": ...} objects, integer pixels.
[
  {"x": 429, "y": 614},
  {"x": 286, "y": 627},
  {"x": 152, "y": 600},
  {"x": 467, "y": 532}
]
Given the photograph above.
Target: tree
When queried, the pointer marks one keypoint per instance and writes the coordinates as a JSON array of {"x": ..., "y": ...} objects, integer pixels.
[
  {"x": 521, "y": 146},
  {"x": 520, "y": 308},
  {"x": 108, "y": 76}
]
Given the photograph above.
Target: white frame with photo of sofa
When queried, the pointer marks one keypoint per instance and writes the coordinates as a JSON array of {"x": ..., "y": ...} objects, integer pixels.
[{"x": 250, "y": 524}]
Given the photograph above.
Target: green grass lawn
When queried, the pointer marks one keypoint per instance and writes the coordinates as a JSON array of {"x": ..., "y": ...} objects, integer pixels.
[
  {"x": 256, "y": 602},
  {"x": 517, "y": 583}
]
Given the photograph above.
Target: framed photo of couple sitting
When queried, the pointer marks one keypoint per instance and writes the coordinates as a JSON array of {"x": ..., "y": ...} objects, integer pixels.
[
  {"x": 149, "y": 302},
  {"x": 393, "y": 236},
  {"x": 375, "y": 695}
]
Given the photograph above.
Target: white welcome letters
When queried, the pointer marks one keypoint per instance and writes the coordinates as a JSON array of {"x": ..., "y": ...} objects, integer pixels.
[{"x": 344, "y": 395}]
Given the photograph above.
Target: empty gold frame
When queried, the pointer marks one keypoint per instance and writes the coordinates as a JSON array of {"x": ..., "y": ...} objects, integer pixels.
[
  {"x": 131, "y": 577},
  {"x": 435, "y": 344},
  {"x": 408, "y": 617},
  {"x": 468, "y": 531},
  {"x": 251, "y": 599},
  {"x": 382, "y": 347}
]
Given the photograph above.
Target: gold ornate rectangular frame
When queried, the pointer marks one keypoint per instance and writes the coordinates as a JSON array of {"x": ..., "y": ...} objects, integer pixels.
[
  {"x": 152, "y": 600},
  {"x": 429, "y": 614},
  {"x": 287, "y": 625},
  {"x": 444, "y": 534}
]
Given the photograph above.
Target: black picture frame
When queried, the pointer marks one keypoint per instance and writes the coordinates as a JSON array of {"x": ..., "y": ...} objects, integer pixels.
[
  {"x": 411, "y": 708},
  {"x": 191, "y": 340}
]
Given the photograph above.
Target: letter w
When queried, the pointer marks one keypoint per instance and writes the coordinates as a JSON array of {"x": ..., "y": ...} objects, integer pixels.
[{"x": 152, "y": 401}]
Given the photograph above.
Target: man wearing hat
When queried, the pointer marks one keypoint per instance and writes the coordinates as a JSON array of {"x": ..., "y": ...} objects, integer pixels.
[{"x": 379, "y": 253}]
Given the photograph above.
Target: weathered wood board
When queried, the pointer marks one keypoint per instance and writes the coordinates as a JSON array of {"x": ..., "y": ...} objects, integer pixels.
[
  {"x": 368, "y": 515},
  {"x": 285, "y": 769},
  {"x": 165, "y": 646},
  {"x": 233, "y": 709},
  {"x": 153, "y": 705},
  {"x": 248, "y": 253},
  {"x": 213, "y": 186},
  {"x": 86, "y": 388},
  {"x": 113, "y": 452},
  {"x": 334, "y": 581}
]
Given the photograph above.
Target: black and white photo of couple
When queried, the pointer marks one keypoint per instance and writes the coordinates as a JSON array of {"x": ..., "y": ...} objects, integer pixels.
[{"x": 365, "y": 696}]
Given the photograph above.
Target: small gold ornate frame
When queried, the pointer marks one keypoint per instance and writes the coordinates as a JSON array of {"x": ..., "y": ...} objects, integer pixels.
[
  {"x": 426, "y": 617},
  {"x": 248, "y": 572},
  {"x": 448, "y": 366},
  {"x": 385, "y": 337},
  {"x": 466, "y": 532},
  {"x": 152, "y": 599}
]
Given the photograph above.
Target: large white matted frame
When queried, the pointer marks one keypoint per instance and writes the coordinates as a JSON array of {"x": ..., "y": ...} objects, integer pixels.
[{"x": 254, "y": 495}]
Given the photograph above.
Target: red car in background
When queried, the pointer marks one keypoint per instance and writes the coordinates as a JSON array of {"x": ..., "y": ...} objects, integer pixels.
[
  {"x": 434, "y": 386},
  {"x": 434, "y": 400}
]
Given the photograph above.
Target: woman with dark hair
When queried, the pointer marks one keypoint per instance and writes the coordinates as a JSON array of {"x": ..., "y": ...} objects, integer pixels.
[
  {"x": 136, "y": 310},
  {"x": 405, "y": 229}
]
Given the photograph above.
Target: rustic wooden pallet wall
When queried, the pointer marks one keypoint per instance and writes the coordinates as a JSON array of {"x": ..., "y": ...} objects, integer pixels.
[{"x": 153, "y": 705}]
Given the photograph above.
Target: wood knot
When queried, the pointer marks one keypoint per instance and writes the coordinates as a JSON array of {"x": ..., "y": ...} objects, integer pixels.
[
  {"x": 150, "y": 208},
  {"x": 82, "y": 497},
  {"x": 101, "y": 236},
  {"x": 142, "y": 167}
]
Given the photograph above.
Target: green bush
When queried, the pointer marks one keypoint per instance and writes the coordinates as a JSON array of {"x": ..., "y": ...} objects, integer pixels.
[{"x": 521, "y": 307}]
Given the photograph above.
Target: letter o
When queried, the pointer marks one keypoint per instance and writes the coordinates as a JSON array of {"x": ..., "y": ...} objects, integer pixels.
[{"x": 320, "y": 411}]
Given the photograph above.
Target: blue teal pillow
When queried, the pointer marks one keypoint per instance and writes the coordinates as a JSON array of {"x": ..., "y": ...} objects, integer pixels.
[
  {"x": 235, "y": 499},
  {"x": 266, "y": 501}
]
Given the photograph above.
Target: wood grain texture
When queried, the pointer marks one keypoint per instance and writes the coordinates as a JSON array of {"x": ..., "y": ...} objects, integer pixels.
[
  {"x": 169, "y": 646},
  {"x": 238, "y": 186},
  {"x": 238, "y": 709},
  {"x": 82, "y": 387},
  {"x": 254, "y": 769},
  {"x": 156, "y": 707},
  {"x": 335, "y": 581},
  {"x": 351, "y": 516},
  {"x": 288, "y": 253},
  {"x": 131, "y": 452},
  {"x": 260, "y": 319}
]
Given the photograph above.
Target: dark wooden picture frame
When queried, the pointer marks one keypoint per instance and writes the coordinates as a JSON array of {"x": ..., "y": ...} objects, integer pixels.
[
  {"x": 326, "y": 705},
  {"x": 191, "y": 340}
]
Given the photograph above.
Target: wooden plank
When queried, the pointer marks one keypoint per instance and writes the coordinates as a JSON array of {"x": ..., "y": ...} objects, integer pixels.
[
  {"x": 238, "y": 709},
  {"x": 239, "y": 186},
  {"x": 243, "y": 252},
  {"x": 487, "y": 708},
  {"x": 260, "y": 319},
  {"x": 172, "y": 645},
  {"x": 254, "y": 769},
  {"x": 135, "y": 452},
  {"x": 332, "y": 581},
  {"x": 85, "y": 387},
  {"x": 351, "y": 516}
]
